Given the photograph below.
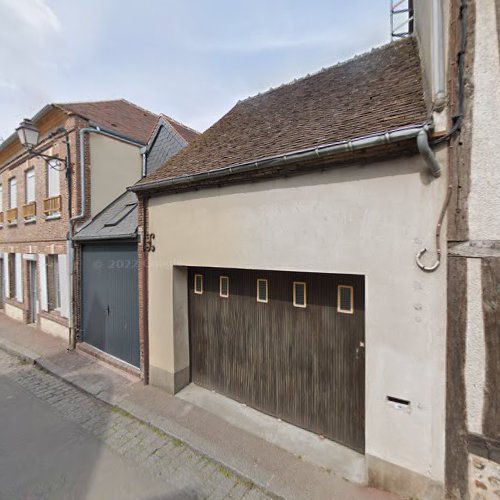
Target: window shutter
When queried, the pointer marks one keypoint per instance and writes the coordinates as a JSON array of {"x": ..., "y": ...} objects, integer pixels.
[
  {"x": 6, "y": 274},
  {"x": 42, "y": 270},
  {"x": 64, "y": 285},
  {"x": 19, "y": 277}
]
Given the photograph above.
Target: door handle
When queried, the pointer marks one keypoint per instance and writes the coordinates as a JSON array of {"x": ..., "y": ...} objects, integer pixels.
[
  {"x": 360, "y": 346},
  {"x": 108, "y": 309}
]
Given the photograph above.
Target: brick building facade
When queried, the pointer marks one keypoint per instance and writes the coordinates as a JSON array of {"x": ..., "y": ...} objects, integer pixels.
[{"x": 35, "y": 219}]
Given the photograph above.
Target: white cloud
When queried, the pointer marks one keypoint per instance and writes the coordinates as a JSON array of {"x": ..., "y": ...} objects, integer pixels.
[{"x": 36, "y": 15}]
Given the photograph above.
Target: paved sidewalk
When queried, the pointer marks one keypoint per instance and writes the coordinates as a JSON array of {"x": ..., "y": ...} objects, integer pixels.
[{"x": 270, "y": 469}]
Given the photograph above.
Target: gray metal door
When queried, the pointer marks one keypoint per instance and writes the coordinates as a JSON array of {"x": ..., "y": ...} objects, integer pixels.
[{"x": 110, "y": 300}]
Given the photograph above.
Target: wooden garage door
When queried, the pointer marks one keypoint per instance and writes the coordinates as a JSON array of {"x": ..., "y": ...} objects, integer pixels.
[{"x": 302, "y": 364}]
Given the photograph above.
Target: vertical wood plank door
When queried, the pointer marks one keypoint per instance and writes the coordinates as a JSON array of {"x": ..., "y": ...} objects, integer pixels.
[{"x": 303, "y": 363}]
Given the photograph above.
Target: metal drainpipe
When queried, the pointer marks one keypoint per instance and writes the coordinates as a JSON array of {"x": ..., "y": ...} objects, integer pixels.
[
  {"x": 438, "y": 77},
  {"x": 427, "y": 153},
  {"x": 81, "y": 215}
]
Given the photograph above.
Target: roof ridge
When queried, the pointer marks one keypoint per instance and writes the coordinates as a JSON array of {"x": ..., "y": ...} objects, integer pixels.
[
  {"x": 187, "y": 127},
  {"x": 138, "y": 107},
  {"x": 100, "y": 101},
  {"x": 328, "y": 68}
]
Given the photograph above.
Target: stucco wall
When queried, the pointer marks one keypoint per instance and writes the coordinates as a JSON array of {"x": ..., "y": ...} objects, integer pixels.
[
  {"x": 484, "y": 198},
  {"x": 475, "y": 360},
  {"x": 114, "y": 165},
  {"x": 363, "y": 220}
]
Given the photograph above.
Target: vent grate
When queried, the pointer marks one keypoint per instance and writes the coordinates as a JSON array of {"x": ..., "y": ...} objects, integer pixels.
[{"x": 345, "y": 299}]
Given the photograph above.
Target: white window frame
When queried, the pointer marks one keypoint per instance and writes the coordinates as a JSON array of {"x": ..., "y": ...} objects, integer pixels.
[
  {"x": 12, "y": 199},
  {"x": 266, "y": 300},
  {"x": 295, "y": 283},
  {"x": 53, "y": 172},
  {"x": 29, "y": 176},
  {"x": 198, "y": 291},
  {"x": 52, "y": 263},
  {"x": 339, "y": 307},
  {"x": 226, "y": 295}
]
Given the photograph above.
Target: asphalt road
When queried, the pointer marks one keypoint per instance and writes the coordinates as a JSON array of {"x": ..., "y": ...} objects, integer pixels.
[{"x": 43, "y": 455}]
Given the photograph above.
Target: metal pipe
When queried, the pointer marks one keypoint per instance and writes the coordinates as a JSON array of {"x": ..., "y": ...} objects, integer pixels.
[
  {"x": 427, "y": 153},
  {"x": 338, "y": 147},
  {"x": 430, "y": 269},
  {"x": 438, "y": 78}
]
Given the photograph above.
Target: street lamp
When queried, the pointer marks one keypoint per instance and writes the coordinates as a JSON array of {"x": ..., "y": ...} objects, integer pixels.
[{"x": 28, "y": 134}]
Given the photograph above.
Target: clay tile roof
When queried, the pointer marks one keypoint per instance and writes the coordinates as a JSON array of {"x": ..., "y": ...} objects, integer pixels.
[
  {"x": 119, "y": 115},
  {"x": 374, "y": 92}
]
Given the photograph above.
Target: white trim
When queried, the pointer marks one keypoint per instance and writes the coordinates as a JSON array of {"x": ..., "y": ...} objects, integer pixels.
[
  {"x": 266, "y": 300},
  {"x": 225, "y": 296},
  {"x": 19, "y": 277},
  {"x": 339, "y": 308},
  {"x": 64, "y": 285},
  {"x": 42, "y": 275},
  {"x": 6, "y": 279},
  {"x": 198, "y": 291},
  {"x": 295, "y": 283}
]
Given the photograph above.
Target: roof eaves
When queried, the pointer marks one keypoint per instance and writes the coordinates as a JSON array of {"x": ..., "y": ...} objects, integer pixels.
[{"x": 363, "y": 142}]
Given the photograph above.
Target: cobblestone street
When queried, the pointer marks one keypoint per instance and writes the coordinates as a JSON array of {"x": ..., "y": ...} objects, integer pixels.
[{"x": 151, "y": 450}]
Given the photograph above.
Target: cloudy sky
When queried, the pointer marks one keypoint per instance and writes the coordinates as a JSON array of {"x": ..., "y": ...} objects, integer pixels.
[{"x": 190, "y": 59}]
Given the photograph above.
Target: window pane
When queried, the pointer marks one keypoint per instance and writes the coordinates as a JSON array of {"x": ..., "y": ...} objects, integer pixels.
[
  {"x": 198, "y": 284},
  {"x": 53, "y": 179},
  {"x": 299, "y": 294},
  {"x": 224, "y": 286},
  {"x": 30, "y": 185},
  {"x": 345, "y": 299},
  {"x": 261, "y": 290},
  {"x": 12, "y": 193}
]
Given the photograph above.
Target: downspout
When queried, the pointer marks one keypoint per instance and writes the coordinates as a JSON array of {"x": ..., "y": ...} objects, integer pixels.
[
  {"x": 438, "y": 76},
  {"x": 427, "y": 153},
  {"x": 83, "y": 208}
]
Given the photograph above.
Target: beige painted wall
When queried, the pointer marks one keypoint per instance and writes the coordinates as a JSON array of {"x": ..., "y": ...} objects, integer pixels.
[
  {"x": 114, "y": 165},
  {"x": 368, "y": 220}
]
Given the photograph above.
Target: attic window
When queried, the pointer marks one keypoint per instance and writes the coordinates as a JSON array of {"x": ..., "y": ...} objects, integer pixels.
[
  {"x": 117, "y": 218},
  {"x": 345, "y": 299},
  {"x": 198, "y": 284},
  {"x": 224, "y": 286},
  {"x": 262, "y": 295},
  {"x": 299, "y": 294}
]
